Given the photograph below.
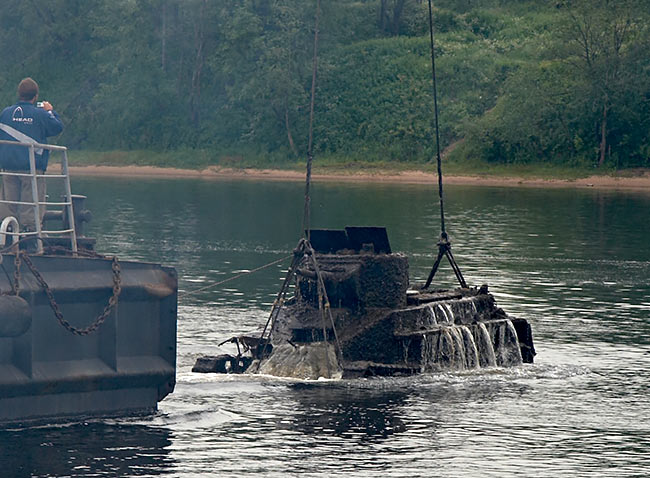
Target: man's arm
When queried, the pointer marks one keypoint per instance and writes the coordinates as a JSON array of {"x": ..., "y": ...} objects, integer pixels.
[{"x": 52, "y": 125}]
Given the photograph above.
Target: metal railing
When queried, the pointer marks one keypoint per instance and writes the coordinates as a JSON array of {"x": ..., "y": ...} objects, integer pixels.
[{"x": 35, "y": 203}]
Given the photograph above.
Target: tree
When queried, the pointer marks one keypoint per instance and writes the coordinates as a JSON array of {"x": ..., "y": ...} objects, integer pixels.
[
  {"x": 390, "y": 14},
  {"x": 600, "y": 35},
  {"x": 273, "y": 90}
]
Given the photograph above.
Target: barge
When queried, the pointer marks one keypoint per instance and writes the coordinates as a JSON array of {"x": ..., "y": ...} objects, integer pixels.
[{"x": 81, "y": 334}]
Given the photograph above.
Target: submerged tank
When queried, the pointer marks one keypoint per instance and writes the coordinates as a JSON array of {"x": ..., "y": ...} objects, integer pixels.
[
  {"x": 371, "y": 322},
  {"x": 81, "y": 334}
]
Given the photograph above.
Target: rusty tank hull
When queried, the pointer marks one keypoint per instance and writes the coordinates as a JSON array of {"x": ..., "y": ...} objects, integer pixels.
[
  {"x": 384, "y": 328},
  {"x": 371, "y": 321},
  {"x": 125, "y": 366}
]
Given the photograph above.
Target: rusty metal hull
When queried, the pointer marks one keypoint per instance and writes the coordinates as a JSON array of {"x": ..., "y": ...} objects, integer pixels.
[
  {"x": 126, "y": 366},
  {"x": 374, "y": 324}
]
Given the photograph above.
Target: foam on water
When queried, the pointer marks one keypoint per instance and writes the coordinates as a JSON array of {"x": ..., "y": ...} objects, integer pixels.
[{"x": 308, "y": 361}]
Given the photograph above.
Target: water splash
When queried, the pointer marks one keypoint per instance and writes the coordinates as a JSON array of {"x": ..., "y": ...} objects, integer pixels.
[
  {"x": 506, "y": 344},
  {"x": 459, "y": 352},
  {"x": 309, "y": 362},
  {"x": 465, "y": 347},
  {"x": 471, "y": 351},
  {"x": 431, "y": 316},
  {"x": 445, "y": 315},
  {"x": 487, "y": 357},
  {"x": 451, "y": 319}
]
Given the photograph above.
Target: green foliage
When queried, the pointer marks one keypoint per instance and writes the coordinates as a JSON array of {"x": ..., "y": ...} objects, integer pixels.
[
  {"x": 228, "y": 82},
  {"x": 583, "y": 101}
]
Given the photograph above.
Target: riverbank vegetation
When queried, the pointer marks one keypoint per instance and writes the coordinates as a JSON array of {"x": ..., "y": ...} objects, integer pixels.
[{"x": 536, "y": 85}]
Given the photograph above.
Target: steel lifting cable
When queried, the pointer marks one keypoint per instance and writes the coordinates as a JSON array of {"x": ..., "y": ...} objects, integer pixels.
[
  {"x": 298, "y": 254},
  {"x": 444, "y": 245},
  {"x": 324, "y": 305},
  {"x": 55, "y": 249},
  {"x": 437, "y": 126},
  {"x": 323, "y": 302},
  {"x": 242, "y": 274},
  {"x": 310, "y": 145},
  {"x": 304, "y": 248}
]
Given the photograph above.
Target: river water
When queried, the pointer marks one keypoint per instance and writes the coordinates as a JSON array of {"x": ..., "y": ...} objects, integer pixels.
[{"x": 574, "y": 263}]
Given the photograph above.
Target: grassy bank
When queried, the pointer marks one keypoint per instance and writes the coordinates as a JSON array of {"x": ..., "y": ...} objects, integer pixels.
[{"x": 202, "y": 159}]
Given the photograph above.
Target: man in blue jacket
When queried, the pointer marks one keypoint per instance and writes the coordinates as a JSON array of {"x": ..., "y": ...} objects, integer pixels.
[{"x": 27, "y": 123}]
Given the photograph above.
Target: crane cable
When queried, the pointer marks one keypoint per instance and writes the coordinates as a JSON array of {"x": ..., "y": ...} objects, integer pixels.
[
  {"x": 310, "y": 145},
  {"x": 304, "y": 250},
  {"x": 444, "y": 245}
]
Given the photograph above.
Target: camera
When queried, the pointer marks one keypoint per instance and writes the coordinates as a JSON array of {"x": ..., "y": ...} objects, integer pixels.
[{"x": 39, "y": 104}]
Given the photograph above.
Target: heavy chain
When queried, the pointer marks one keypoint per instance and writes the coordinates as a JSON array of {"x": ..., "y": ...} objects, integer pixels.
[
  {"x": 17, "y": 274},
  {"x": 112, "y": 301}
]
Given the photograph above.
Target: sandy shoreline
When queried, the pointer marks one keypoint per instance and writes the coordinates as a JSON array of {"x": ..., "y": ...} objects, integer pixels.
[{"x": 640, "y": 182}]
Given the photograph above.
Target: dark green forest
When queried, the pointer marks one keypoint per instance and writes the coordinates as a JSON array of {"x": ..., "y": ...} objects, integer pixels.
[{"x": 557, "y": 82}]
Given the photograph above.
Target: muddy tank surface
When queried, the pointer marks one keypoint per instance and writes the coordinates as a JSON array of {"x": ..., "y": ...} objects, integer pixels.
[{"x": 373, "y": 322}]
